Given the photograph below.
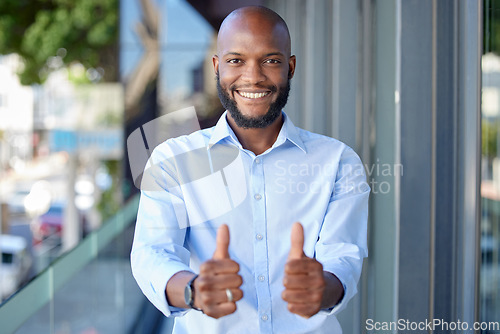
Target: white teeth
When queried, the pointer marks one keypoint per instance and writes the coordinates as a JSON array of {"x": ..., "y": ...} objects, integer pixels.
[{"x": 252, "y": 95}]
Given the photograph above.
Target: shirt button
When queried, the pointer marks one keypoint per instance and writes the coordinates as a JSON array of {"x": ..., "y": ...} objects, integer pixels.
[
  {"x": 257, "y": 197},
  {"x": 264, "y": 317},
  {"x": 259, "y": 237},
  {"x": 261, "y": 278},
  {"x": 257, "y": 160}
]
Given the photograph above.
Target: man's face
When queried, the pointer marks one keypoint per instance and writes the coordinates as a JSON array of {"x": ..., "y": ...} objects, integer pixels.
[
  {"x": 261, "y": 121},
  {"x": 253, "y": 69}
]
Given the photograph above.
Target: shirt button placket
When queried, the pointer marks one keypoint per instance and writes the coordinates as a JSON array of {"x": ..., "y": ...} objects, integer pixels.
[{"x": 260, "y": 249}]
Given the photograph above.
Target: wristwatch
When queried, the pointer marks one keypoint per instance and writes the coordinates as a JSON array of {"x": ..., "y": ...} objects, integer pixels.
[{"x": 189, "y": 293}]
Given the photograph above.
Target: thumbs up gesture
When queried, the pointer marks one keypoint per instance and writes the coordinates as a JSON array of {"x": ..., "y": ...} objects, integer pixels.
[
  {"x": 304, "y": 278},
  {"x": 217, "y": 288}
]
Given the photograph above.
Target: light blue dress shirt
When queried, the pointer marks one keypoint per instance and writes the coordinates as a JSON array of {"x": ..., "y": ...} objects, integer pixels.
[{"x": 193, "y": 184}]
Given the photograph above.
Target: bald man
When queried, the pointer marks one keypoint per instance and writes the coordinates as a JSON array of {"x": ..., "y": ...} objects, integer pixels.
[{"x": 286, "y": 258}]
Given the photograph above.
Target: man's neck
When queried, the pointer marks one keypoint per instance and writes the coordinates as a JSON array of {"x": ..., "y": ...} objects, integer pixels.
[{"x": 257, "y": 140}]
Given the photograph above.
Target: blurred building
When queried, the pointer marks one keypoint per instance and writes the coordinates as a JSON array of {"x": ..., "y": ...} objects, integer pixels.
[{"x": 16, "y": 114}]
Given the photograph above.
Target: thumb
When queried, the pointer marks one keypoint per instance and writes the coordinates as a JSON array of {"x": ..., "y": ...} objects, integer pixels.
[
  {"x": 222, "y": 243},
  {"x": 297, "y": 245}
]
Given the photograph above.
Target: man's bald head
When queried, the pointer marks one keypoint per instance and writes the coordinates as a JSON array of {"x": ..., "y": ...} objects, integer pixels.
[
  {"x": 253, "y": 67},
  {"x": 252, "y": 18}
]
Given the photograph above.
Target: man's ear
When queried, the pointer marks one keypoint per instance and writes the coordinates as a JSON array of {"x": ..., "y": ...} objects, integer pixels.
[
  {"x": 215, "y": 61},
  {"x": 291, "y": 66}
]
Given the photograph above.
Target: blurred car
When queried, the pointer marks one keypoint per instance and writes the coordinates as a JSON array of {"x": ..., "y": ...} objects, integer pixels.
[
  {"x": 48, "y": 226},
  {"x": 16, "y": 263}
]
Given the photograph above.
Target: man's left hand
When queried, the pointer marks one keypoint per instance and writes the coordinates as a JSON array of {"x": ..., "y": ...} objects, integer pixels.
[{"x": 304, "y": 278}]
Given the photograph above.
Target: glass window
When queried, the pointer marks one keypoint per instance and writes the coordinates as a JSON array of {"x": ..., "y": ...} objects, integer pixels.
[
  {"x": 7, "y": 258},
  {"x": 61, "y": 124},
  {"x": 490, "y": 170}
]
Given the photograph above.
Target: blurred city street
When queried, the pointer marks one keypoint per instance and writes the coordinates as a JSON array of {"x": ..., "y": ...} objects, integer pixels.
[{"x": 18, "y": 221}]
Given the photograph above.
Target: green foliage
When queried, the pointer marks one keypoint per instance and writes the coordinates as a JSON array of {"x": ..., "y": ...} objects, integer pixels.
[
  {"x": 76, "y": 74},
  {"x": 86, "y": 30},
  {"x": 489, "y": 133},
  {"x": 109, "y": 204},
  {"x": 491, "y": 42},
  {"x": 110, "y": 119}
]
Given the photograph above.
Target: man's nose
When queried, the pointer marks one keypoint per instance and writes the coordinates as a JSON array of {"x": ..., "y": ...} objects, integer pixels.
[{"x": 253, "y": 73}]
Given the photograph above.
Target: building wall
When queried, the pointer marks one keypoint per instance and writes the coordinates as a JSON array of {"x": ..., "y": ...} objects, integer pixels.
[{"x": 398, "y": 81}]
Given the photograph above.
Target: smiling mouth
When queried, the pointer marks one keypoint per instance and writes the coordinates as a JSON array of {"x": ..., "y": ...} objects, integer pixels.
[{"x": 250, "y": 95}]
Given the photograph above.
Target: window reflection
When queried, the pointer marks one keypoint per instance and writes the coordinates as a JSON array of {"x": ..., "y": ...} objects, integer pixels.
[
  {"x": 61, "y": 140},
  {"x": 59, "y": 158},
  {"x": 63, "y": 172},
  {"x": 490, "y": 184}
]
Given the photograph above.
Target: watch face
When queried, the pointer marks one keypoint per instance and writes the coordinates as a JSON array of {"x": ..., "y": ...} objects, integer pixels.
[{"x": 188, "y": 295}]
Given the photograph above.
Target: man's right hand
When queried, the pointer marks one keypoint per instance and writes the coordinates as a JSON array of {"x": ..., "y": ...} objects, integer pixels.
[{"x": 217, "y": 275}]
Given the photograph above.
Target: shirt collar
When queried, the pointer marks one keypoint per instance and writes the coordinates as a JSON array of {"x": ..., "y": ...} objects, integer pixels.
[
  {"x": 221, "y": 131},
  {"x": 288, "y": 132},
  {"x": 292, "y": 133}
]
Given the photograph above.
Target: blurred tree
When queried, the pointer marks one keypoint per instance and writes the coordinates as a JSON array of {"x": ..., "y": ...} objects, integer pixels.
[
  {"x": 50, "y": 33},
  {"x": 110, "y": 200},
  {"x": 489, "y": 138},
  {"x": 491, "y": 21}
]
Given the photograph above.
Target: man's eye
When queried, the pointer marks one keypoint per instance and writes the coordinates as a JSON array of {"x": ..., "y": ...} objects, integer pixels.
[
  {"x": 272, "y": 61},
  {"x": 234, "y": 61}
]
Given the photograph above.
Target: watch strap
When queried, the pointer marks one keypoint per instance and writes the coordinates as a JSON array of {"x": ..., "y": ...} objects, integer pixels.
[{"x": 190, "y": 284}]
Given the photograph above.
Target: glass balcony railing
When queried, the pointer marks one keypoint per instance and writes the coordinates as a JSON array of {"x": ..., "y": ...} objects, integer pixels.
[{"x": 90, "y": 289}]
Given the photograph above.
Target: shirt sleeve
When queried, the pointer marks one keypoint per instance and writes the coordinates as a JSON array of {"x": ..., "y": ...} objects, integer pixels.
[
  {"x": 342, "y": 242},
  {"x": 158, "y": 250}
]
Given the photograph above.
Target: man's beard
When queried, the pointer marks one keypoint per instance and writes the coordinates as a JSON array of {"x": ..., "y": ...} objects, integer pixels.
[{"x": 263, "y": 121}]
